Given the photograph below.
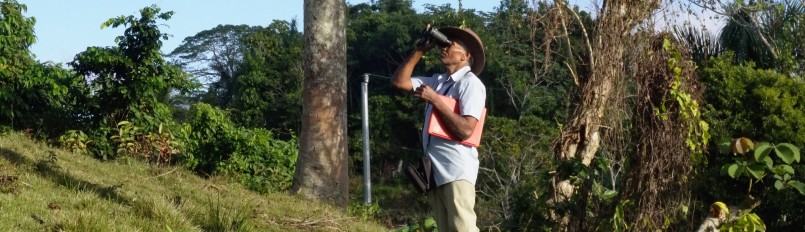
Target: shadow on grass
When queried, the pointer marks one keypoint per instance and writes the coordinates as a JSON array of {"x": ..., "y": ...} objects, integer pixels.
[{"x": 51, "y": 173}]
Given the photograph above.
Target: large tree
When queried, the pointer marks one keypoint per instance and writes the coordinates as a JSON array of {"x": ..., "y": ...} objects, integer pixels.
[
  {"x": 38, "y": 96},
  {"x": 321, "y": 171},
  {"x": 268, "y": 92},
  {"x": 16, "y": 37},
  {"x": 582, "y": 136},
  {"x": 133, "y": 80}
]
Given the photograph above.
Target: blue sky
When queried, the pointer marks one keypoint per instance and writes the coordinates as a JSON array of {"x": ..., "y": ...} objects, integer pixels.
[{"x": 65, "y": 28}]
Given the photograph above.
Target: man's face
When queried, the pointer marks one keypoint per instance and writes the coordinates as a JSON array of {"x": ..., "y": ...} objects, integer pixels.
[{"x": 454, "y": 54}]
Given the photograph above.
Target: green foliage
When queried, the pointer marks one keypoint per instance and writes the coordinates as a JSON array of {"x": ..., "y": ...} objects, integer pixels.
[
  {"x": 209, "y": 138},
  {"x": 765, "y": 105},
  {"x": 748, "y": 222},
  {"x": 381, "y": 33},
  {"x": 782, "y": 22},
  {"x": 40, "y": 97},
  {"x": 126, "y": 138},
  {"x": 75, "y": 141},
  {"x": 268, "y": 94},
  {"x": 427, "y": 224},
  {"x": 618, "y": 221},
  {"x": 133, "y": 141},
  {"x": 393, "y": 123},
  {"x": 527, "y": 70},
  {"x": 364, "y": 211},
  {"x": 263, "y": 163},
  {"x": 755, "y": 162},
  {"x": 701, "y": 44},
  {"x": 254, "y": 72},
  {"x": 164, "y": 145},
  {"x": 768, "y": 33},
  {"x": 756, "y": 103},
  {"x": 698, "y": 129},
  {"x": 740, "y": 36},
  {"x": 215, "y": 145},
  {"x": 16, "y": 36},
  {"x": 101, "y": 146},
  {"x": 513, "y": 179},
  {"x": 131, "y": 81}
]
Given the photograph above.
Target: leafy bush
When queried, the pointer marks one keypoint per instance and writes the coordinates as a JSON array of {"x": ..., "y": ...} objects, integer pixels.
[
  {"x": 38, "y": 97},
  {"x": 515, "y": 161},
  {"x": 753, "y": 162},
  {"x": 263, "y": 163},
  {"x": 209, "y": 139},
  {"x": 215, "y": 145},
  {"x": 756, "y": 103},
  {"x": 75, "y": 141},
  {"x": 133, "y": 141},
  {"x": 364, "y": 211},
  {"x": 742, "y": 100},
  {"x": 101, "y": 148}
]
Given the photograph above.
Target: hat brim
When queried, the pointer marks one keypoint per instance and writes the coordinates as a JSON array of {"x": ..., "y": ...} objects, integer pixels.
[{"x": 473, "y": 43}]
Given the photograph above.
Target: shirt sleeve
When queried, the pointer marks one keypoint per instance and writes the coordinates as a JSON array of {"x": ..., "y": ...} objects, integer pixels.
[
  {"x": 419, "y": 81},
  {"x": 472, "y": 95}
]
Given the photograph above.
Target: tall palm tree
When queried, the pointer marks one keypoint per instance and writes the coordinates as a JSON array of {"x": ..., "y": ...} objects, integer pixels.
[
  {"x": 769, "y": 33},
  {"x": 699, "y": 42},
  {"x": 744, "y": 35}
]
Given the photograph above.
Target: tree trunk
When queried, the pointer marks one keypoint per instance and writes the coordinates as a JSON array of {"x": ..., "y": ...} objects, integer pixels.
[
  {"x": 321, "y": 171},
  {"x": 582, "y": 136}
]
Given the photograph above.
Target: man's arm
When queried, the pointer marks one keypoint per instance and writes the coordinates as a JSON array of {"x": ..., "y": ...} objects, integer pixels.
[
  {"x": 461, "y": 126},
  {"x": 402, "y": 77}
]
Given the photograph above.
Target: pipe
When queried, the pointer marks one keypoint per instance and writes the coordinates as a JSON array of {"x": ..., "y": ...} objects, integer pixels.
[{"x": 367, "y": 181}]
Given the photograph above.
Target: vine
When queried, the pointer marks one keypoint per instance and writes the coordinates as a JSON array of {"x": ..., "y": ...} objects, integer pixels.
[{"x": 698, "y": 130}]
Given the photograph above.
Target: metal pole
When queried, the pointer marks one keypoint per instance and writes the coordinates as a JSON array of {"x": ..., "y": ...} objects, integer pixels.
[{"x": 367, "y": 182}]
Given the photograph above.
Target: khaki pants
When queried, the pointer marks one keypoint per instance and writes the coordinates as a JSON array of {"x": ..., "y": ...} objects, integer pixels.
[{"x": 452, "y": 206}]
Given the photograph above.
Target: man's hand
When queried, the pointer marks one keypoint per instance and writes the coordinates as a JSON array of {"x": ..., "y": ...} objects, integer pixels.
[
  {"x": 402, "y": 77},
  {"x": 426, "y": 94},
  {"x": 425, "y": 45}
]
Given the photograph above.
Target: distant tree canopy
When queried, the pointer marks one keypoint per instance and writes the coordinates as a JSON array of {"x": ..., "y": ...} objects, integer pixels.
[
  {"x": 253, "y": 71},
  {"x": 215, "y": 57}
]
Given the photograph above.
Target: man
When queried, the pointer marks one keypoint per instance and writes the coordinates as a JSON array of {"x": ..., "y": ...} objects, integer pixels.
[{"x": 455, "y": 165}]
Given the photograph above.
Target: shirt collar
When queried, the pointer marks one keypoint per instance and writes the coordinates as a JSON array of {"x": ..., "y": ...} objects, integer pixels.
[{"x": 456, "y": 76}]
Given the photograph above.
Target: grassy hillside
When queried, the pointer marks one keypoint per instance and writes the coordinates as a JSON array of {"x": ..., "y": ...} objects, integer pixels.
[{"x": 48, "y": 189}]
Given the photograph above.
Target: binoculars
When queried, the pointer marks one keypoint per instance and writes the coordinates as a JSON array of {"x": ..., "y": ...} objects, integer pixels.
[{"x": 432, "y": 35}]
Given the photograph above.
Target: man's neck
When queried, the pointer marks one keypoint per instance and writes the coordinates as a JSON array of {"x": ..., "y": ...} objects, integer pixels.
[{"x": 452, "y": 69}]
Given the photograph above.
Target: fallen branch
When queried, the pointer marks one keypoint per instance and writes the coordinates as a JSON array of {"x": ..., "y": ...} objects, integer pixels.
[
  {"x": 303, "y": 223},
  {"x": 163, "y": 174}
]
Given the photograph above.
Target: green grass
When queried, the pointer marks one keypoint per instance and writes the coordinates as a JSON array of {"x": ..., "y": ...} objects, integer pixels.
[{"x": 80, "y": 193}]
